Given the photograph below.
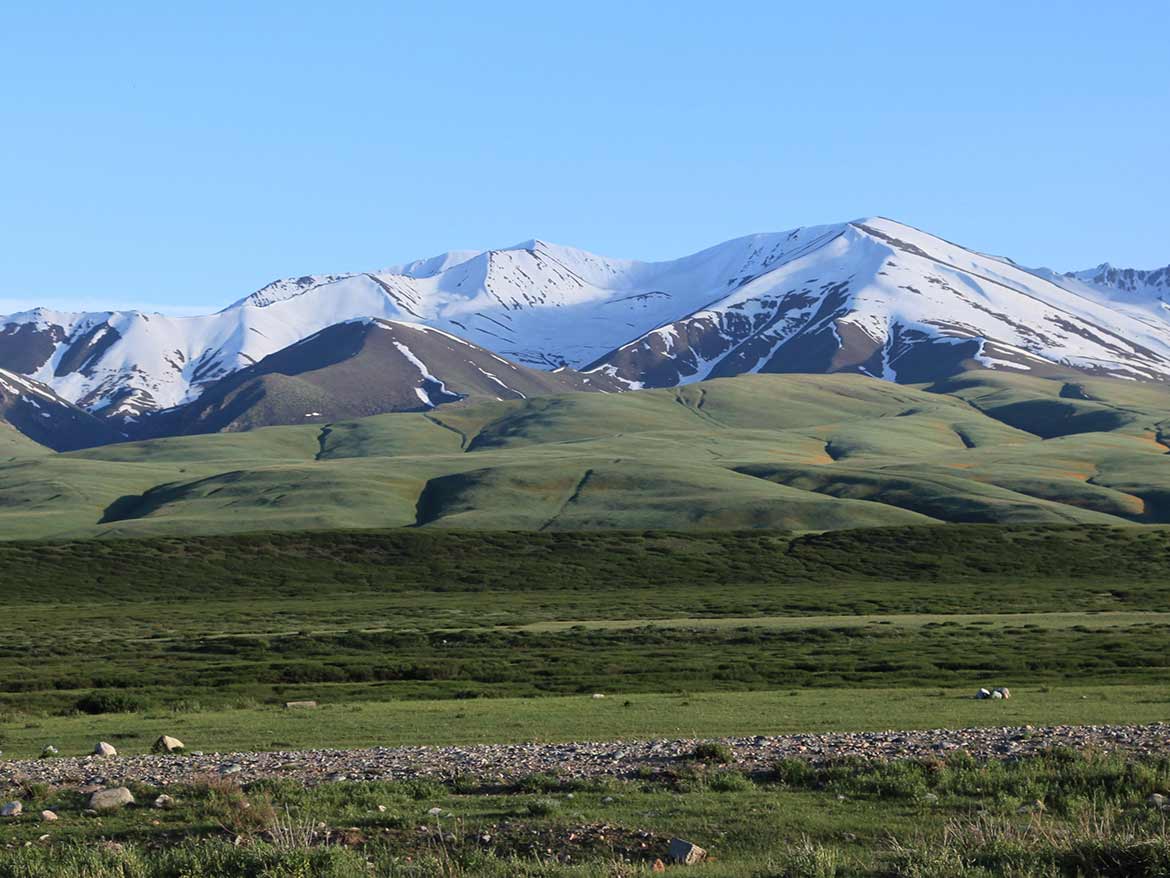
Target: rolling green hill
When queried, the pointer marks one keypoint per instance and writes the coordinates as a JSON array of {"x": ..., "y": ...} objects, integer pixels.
[{"x": 791, "y": 452}]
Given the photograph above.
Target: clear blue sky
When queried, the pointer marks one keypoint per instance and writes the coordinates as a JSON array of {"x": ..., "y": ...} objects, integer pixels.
[{"x": 185, "y": 158}]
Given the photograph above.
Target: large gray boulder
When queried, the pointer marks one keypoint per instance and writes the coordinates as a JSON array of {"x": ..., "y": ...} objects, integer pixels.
[{"x": 111, "y": 799}]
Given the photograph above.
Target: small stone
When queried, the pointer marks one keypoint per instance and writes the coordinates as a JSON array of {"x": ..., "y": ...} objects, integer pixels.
[
  {"x": 111, "y": 799},
  {"x": 381, "y": 809},
  {"x": 167, "y": 744},
  {"x": 163, "y": 802},
  {"x": 435, "y": 812},
  {"x": 104, "y": 750},
  {"x": 11, "y": 809},
  {"x": 598, "y": 694},
  {"x": 685, "y": 852},
  {"x": 300, "y": 705},
  {"x": 48, "y": 816},
  {"x": 230, "y": 768}
]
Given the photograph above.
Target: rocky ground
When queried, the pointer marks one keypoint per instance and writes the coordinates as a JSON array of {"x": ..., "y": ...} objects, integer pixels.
[{"x": 505, "y": 762}]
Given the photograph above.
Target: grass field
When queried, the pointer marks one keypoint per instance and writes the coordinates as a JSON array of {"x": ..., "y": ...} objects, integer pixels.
[
  {"x": 1061, "y": 814},
  {"x": 779, "y": 452},
  {"x": 342, "y": 723},
  {"x": 209, "y": 633},
  {"x": 440, "y": 636}
]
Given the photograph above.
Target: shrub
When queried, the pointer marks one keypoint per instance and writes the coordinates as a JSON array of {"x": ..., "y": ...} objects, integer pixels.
[
  {"x": 713, "y": 751},
  {"x": 542, "y": 807},
  {"x": 108, "y": 702},
  {"x": 729, "y": 782}
]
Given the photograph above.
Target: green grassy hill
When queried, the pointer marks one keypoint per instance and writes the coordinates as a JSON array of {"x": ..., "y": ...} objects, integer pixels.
[{"x": 792, "y": 452}]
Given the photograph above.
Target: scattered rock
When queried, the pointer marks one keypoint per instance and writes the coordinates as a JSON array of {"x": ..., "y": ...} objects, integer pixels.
[
  {"x": 167, "y": 744},
  {"x": 983, "y": 693},
  {"x": 598, "y": 694},
  {"x": 104, "y": 750},
  {"x": 164, "y": 802},
  {"x": 111, "y": 799},
  {"x": 11, "y": 809},
  {"x": 503, "y": 763},
  {"x": 685, "y": 852},
  {"x": 300, "y": 705},
  {"x": 48, "y": 816},
  {"x": 230, "y": 768}
]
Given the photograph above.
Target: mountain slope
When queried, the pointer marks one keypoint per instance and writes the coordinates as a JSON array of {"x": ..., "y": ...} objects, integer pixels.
[
  {"x": 44, "y": 420},
  {"x": 360, "y": 368},
  {"x": 871, "y": 296},
  {"x": 1144, "y": 295}
]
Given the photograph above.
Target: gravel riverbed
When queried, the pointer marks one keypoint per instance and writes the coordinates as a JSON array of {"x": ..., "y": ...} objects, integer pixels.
[{"x": 504, "y": 762}]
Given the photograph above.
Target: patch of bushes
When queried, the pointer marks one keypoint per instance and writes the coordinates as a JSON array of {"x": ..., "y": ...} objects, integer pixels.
[{"x": 109, "y": 702}]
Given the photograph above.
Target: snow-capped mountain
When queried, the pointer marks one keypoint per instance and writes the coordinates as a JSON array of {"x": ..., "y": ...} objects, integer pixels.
[
  {"x": 887, "y": 300},
  {"x": 872, "y": 296}
]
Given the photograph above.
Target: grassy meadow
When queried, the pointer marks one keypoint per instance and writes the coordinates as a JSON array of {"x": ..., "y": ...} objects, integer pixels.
[
  {"x": 433, "y": 635},
  {"x": 443, "y": 636},
  {"x": 777, "y": 452}
]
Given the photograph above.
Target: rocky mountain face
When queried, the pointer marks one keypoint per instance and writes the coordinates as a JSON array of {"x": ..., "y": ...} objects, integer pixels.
[
  {"x": 871, "y": 296},
  {"x": 359, "y": 368},
  {"x": 38, "y": 413}
]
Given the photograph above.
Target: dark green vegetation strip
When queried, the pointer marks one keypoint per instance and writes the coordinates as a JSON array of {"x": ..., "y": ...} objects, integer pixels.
[
  {"x": 376, "y": 562},
  {"x": 1057, "y": 815}
]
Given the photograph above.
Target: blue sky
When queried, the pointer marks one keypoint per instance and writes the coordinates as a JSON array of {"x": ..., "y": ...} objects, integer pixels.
[{"x": 181, "y": 159}]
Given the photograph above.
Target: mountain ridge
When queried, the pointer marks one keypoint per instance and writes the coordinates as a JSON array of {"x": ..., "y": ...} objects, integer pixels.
[{"x": 872, "y": 296}]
